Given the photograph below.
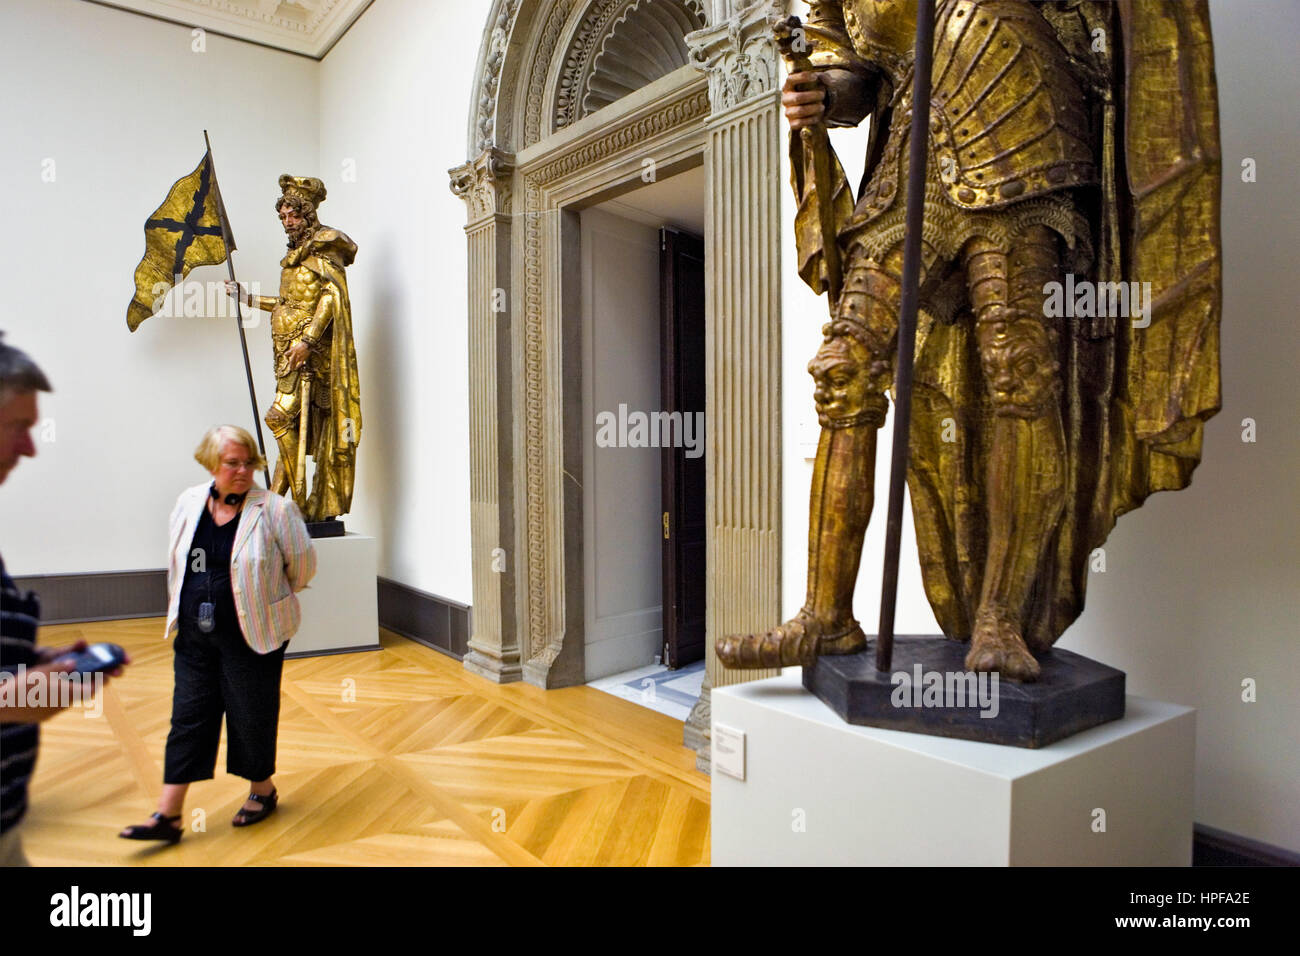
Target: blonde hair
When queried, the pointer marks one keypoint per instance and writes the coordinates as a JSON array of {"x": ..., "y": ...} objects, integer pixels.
[{"x": 208, "y": 454}]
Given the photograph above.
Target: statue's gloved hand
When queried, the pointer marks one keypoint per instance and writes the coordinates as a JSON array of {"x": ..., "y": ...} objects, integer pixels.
[
  {"x": 297, "y": 354},
  {"x": 850, "y": 96},
  {"x": 804, "y": 98},
  {"x": 236, "y": 292}
]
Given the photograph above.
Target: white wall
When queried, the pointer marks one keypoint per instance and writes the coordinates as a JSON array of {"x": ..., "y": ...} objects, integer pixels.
[
  {"x": 621, "y": 487},
  {"x": 1200, "y": 589},
  {"x": 393, "y": 96},
  {"x": 119, "y": 103}
]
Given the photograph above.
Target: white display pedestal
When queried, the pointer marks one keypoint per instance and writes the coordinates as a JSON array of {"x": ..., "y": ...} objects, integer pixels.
[
  {"x": 824, "y": 793},
  {"x": 340, "y": 608}
]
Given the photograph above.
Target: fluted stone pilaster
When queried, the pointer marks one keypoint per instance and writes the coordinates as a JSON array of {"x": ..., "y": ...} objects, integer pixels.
[
  {"x": 743, "y": 341},
  {"x": 485, "y": 185}
]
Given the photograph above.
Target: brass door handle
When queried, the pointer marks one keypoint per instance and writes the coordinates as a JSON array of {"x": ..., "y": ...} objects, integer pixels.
[{"x": 665, "y": 525}]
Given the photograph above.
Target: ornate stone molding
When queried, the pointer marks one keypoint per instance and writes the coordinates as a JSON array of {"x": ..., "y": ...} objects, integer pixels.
[
  {"x": 670, "y": 116},
  {"x": 494, "y": 58},
  {"x": 485, "y": 184},
  {"x": 542, "y": 57},
  {"x": 309, "y": 27},
  {"x": 739, "y": 55},
  {"x": 579, "y": 57},
  {"x": 533, "y": 644}
]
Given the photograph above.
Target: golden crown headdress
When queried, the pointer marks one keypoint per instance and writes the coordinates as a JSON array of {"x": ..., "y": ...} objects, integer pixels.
[{"x": 304, "y": 187}]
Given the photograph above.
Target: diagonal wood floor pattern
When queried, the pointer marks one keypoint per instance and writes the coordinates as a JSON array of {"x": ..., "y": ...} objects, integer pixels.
[{"x": 391, "y": 758}]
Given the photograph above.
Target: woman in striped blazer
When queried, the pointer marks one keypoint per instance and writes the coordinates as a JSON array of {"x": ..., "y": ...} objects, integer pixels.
[{"x": 238, "y": 555}]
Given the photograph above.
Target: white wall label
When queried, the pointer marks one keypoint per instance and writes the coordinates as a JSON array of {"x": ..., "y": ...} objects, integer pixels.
[{"x": 729, "y": 751}]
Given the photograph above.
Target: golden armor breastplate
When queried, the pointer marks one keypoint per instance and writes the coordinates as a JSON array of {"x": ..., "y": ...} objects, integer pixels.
[
  {"x": 300, "y": 290},
  {"x": 1008, "y": 115},
  {"x": 1008, "y": 120}
]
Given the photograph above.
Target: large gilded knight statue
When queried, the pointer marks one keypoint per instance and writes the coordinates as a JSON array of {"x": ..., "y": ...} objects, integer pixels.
[
  {"x": 317, "y": 407},
  {"x": 1073, "y": 146}
]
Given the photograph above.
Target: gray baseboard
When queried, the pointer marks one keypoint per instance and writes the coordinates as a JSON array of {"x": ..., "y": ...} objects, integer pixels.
[
  {"x": 116, "y": 595},
  {"x": 1214, "y": 847},
  {"x": 98, "y": 596},
  {"x": 425, "y": 618},
  {"x": 298, "y": 655}
]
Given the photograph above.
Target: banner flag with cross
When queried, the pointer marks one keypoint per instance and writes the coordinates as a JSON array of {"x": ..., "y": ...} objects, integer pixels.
[{"x": 188, "y": 230}]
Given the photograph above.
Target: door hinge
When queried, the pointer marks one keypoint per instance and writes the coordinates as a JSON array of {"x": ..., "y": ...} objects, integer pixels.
[{"x": 665, "y": 525}]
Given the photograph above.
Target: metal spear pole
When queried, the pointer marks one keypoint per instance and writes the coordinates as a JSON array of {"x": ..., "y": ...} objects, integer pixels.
[
  {"x": 229, "y": 238},
  {"x": 916, "y": 162}
]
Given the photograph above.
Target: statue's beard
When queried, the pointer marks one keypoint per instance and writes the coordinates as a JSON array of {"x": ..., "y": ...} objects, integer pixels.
[{"x": 298, "y": 236}]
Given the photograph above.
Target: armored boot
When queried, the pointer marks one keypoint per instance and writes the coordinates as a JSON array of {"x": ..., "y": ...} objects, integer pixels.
[
  {"x": 279, "y": 419},
  {"x": 1025, "y": 494},
  {"x": 1025, "y": 502},
  {"x": 851, "y": 412}
]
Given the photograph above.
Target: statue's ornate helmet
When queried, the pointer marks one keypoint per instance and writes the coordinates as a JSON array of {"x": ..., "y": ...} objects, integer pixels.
[{"x": 303, "y": 187}]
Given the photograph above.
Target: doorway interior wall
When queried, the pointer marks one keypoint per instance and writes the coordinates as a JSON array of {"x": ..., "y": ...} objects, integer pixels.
[{"x": 644, "y": 496}]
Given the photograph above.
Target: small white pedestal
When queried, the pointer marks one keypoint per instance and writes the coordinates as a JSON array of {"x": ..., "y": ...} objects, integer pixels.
[
  {"x": 824, "y": 793},
  {"x": 340, "y": 608}
]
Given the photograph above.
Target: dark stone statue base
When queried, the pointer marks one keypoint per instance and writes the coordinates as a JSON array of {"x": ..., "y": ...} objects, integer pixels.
[
  {"x": 1072, "y": 694},
  {"x": 329, "y": 528}
]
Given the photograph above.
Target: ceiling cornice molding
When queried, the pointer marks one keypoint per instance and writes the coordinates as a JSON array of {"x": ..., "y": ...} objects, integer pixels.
[{"x": 306, "y": 27}]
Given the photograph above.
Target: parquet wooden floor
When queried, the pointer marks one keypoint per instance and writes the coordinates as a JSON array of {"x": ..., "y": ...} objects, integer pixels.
[{"x": 396, "y": 757}]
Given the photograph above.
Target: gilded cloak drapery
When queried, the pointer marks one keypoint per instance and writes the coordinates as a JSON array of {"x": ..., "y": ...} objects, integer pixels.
[
  {"x": 1134, "y": 399},
  {"x": 331, "y": 252}
]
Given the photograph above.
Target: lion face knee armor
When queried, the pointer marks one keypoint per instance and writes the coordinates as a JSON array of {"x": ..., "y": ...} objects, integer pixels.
[
  {"x": 278, "y": 418},
  {"x": 1017, "y": 354},
  {"x": 848, "y": 381}
]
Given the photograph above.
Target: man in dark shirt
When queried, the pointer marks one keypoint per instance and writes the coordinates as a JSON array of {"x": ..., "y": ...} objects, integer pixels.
[{"x": 20, "y": 380}]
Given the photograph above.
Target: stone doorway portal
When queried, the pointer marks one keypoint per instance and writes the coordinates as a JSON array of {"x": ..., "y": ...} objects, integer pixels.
[{"x": 574, "y": 100}]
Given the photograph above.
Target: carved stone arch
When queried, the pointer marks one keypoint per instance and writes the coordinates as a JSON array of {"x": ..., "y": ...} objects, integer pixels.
[
  {"x": 519, "y": 40},
  {"x": 617, "y": 47},
  {"x": 494, "y": 71},
  {"x": 583, "y": 52},
  {"x": 528, "y": 173}
]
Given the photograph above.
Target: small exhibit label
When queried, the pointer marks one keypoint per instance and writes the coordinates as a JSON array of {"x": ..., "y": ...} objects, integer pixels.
[{"x": 729, "y": 751}]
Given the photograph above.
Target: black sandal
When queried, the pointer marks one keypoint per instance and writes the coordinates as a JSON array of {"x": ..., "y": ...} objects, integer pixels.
[
  {"x": 246, "y": 818},
  {"x": 163, "y": 829}
]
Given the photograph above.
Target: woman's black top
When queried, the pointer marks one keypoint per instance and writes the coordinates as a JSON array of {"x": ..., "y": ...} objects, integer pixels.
[{"x": 208, "y": 573}]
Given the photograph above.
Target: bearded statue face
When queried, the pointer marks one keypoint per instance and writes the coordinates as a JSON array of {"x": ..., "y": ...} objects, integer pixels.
[{"x": 297, "y": 226}]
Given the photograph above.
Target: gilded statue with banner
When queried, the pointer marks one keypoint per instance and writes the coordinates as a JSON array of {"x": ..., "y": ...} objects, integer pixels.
[
  {"x": 1067, "y": 346},
  {"x": 317, "y": 406}
]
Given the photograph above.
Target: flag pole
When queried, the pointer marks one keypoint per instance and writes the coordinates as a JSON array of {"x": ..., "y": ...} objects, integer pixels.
[
  {"x": 229, "y": 238},
  {"x": 918, "y": 148}
]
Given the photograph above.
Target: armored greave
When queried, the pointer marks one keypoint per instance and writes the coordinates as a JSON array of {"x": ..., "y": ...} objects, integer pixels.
[
  {"x": 852, "y": 369},
  {"x": 282, "y": 419},
  {"x": 1026, "y": 496},
  {"x": 838, "y": 512},
  {"x": 1025, "y": 493},
  {"x": 839, "y": 509},
  {"x": 322, "y": 503}
]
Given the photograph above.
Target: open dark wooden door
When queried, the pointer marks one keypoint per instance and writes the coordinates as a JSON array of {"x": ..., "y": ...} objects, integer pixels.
[{"x": 682, "y": 356}]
